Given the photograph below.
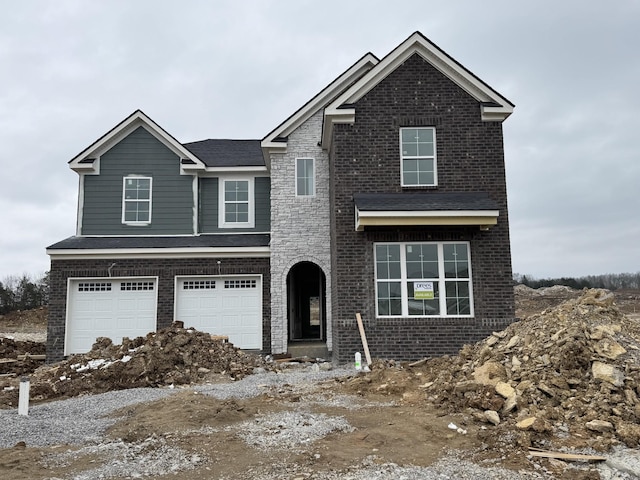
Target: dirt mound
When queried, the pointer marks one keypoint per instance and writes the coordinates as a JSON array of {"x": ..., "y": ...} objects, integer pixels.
[
  {"x": 16, "y": 356},
  {"x": 173, "y": 355},
  {"x": 24, "y": 319},
  {"x": 570, "y": 373},
  {"x": 530, "y": 301}
]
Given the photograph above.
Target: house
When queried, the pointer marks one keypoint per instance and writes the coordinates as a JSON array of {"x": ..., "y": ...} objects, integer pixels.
[{"x": 384, "y": 194}]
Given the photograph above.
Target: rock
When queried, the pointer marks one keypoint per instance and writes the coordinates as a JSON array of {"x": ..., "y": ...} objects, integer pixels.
[
  {"x": 490, "y": 373},
  {"x": 526, "y": 424},
  {"x": 599, "y": 297},
  {"x": 513, "y": 341},
  {"x": 515, "y": 363},
  {"x": 504, "y": 389},
  {"x": 492, "y": 416},
  {"x": 466, "y": 386},
  {"x": 602, "y": 331},
  {"x": 524, "y": 386},
  {"x": 546, "y": 389},
  {"x": 609, "y": 348},
  {"x": 599, "y": 426},
  {"x": 607, "y": 373},
  {"x": 511, "y": 403},
  {"x": 492, "y": 340}
]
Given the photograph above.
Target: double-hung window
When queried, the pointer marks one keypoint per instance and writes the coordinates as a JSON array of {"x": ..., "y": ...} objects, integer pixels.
[
  {"x": 305, "y": 177},
  {"x": 423, "y": 280},
  {"x": 236, "y": 203},
  {"x": 418, "y": 157},
  {"x": 136, "y": 200}
]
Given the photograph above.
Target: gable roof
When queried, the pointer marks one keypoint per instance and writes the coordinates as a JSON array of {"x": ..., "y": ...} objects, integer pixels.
[
  {"x": 277, "y": 138},
  {"x": 217, "y": 153},
  {"x": 494, "y": 107},
  {"x": 86, "y": 162}
]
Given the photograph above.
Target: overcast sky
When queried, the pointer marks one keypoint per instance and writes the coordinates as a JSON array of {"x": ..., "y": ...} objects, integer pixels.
[{"x": 71, "y": 70}]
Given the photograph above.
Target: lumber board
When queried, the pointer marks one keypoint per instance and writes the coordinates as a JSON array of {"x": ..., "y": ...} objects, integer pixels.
[
  {"x": 363, "y": 336},
  {"x": 27, "y": 356},
  {"x": 536, "y": 452}
]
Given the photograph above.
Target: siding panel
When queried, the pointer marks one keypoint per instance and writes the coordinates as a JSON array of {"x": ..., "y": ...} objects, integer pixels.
[
  {"x": 209, "y": 206},
  {"x": 140, "y": 153}
]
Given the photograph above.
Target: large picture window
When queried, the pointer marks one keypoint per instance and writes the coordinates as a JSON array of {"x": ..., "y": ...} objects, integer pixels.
[
  {"x": 136, "y": 200},
  {"x": 423, "y": 280},
  {"x": 236, "y": 204},
  {"x": 305, "y": 177},
  {"x": 418, "y": 156}
]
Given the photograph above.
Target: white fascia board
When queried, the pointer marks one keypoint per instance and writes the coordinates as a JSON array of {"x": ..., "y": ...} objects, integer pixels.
[
  {"x": 113, "y": 136},
  {"x": 200, "y": 252},
  {"x": 233, "y": 170},
  {"x": 316, "y": 103},
  {"x": 496, "y": 114},
  {"x": 343, "y": 115},
  {"x": 273, "y": 146}
]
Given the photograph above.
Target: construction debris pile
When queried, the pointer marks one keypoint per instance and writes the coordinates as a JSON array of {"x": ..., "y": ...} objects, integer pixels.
[
  {"x": 569, "y": 373},
  {"x": 173, "y": 355}
]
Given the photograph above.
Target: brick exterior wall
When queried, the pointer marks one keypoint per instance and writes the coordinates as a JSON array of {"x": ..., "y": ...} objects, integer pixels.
[
  {"x": 365, "y": 157},
  {"x": 299, "y": 225},
  {"x": 165, "y": 269}
]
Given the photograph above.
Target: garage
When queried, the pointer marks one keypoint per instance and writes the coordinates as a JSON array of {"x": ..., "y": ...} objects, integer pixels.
[
  {"x": 112, "y": 307},
  {"x": 229, "y": 306}
]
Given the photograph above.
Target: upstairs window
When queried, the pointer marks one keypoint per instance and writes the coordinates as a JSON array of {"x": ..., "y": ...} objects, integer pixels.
[
  {"x": 418, "y": 157},
  {"x": 305, "y": 177},
  {"x": 236, "y": 204},
  {"x": 423, "y": 280},
  {"x": 136, "y": 200}
]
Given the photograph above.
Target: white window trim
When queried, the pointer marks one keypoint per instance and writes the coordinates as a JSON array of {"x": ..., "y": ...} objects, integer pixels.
[
  {"x": 404, "y": 280},
  {"x": 221, "y": 203},
  {"x": 313, "y": 179},
  {"x": 124, "y": 200},
  {"x": 434, "y": 156}
]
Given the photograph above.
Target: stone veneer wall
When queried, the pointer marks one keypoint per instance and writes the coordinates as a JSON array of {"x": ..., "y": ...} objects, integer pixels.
[
  {"x": 365, "y": 157},
  {"x": 165, "y": 269},
  {"x": 299, "y": 225}
]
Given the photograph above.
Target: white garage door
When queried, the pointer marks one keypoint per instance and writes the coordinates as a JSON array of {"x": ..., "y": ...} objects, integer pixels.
[
  {"x": 113, "y": 308},
  {"x": 229, "y": 306}
]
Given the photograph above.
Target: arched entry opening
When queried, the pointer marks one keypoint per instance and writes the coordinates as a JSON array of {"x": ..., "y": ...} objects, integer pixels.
[{"x": 306, "y": 287}]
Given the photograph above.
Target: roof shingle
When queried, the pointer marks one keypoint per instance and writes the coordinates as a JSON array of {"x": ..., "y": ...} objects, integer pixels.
[
  {"x": 228, "y": 153},
  {"x": 423, "y": 201}
]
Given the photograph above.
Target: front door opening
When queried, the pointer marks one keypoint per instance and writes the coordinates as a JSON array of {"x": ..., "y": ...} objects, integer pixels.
[{"x": 306, "y": 302}]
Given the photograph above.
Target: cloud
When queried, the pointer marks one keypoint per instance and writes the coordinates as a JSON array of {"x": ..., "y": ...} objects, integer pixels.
[{"x": 225, "y": 69}]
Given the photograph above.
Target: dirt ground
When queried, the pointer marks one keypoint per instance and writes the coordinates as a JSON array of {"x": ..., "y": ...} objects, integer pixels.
[{"x": 406, "y": 409}]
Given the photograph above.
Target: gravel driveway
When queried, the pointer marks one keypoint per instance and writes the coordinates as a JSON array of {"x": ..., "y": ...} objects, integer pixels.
[{"x": 83, "y": 421}]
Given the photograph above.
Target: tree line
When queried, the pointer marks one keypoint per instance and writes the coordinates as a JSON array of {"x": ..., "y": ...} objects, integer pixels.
[
  {"x": 610, "y": 281},
  {"x": 23, "y": 293}
]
